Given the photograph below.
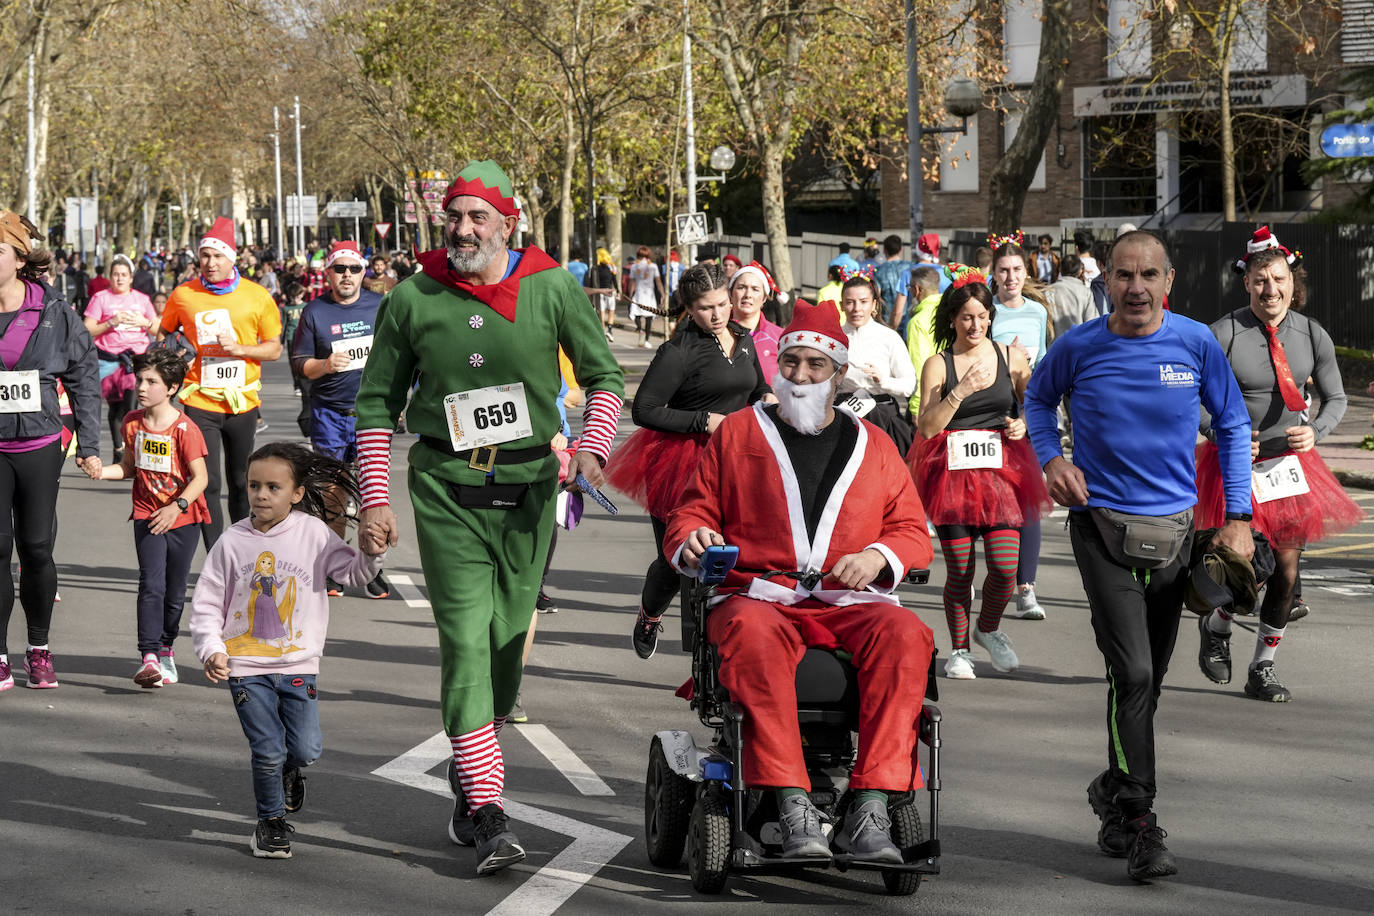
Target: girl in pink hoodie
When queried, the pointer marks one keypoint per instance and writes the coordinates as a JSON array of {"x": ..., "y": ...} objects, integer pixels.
[{"x": 259, "y": 616}]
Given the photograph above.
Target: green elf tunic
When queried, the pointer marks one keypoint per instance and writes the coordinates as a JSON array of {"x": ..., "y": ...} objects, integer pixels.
[{"x": 482, "y": 565}]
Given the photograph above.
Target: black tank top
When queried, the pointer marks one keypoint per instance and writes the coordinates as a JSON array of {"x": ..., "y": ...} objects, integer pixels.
[{"x": 986, "y": 409}]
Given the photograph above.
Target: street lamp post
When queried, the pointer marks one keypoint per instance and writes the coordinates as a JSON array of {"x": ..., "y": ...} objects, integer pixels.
[
  {"x": 276, "y": 157},
  {"x": 963, "y": 99}
]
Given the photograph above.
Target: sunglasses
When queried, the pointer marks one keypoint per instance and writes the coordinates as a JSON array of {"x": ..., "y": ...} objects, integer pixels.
[{"x": 342, "y": 269}]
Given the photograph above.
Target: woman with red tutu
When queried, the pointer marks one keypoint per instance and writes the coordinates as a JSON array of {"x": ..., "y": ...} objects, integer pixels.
[
  {"x": 975, "y": 470},
  {"x": 705, "y": 371},
  {"x": 1274, "y": 350}
]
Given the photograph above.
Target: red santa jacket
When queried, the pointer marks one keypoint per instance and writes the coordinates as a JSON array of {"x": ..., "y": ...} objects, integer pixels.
[{"x": 745, "y": 488}]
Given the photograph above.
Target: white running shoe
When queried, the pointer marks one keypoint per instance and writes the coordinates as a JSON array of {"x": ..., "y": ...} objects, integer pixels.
[
  {"x": 959, "y": 667},
  {"x": 1026, "y": 607},
  {"x": 999, "y": 647}
]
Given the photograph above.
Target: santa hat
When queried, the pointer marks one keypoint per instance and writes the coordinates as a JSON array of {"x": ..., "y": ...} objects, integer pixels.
[
  {"x": 817, "y": 327},
  {"x": 1263, "y": 240},
  {"x": 929, "y": 244},
  {"x": 220, "y": 238},
  {"x": 484, "y": 178},
  {"x": 756, "y": 269},
  {"x": 734, "y": 258},
  {"x": 343, "y": 250}
]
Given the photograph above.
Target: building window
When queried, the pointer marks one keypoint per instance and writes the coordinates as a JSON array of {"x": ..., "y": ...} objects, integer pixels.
[
  {"x": 1011, "y": 123},
  {"x": 1128, "y": 38},
  {"x": 959, "y": 163},
  {"x": 1357, "y": 32},
  {"x": 1021, "y": 40},
  {"x": 1250, "y": 50}
]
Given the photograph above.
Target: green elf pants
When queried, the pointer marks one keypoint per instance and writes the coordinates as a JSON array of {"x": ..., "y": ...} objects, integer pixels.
[{"x": 483, "y": 568}]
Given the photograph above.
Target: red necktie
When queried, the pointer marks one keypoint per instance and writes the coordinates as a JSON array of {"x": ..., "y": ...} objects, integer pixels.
[{"x": 1292, "y": 398}]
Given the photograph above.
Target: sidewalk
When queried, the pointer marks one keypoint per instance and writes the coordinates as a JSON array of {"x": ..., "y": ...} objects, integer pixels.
[{"x": 1352, "y": 465}]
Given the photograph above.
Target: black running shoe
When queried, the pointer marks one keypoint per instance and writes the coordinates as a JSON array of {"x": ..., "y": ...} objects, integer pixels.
[
  {"x": 1299, "y": 609},
  {"x": 1214, "y": 653},
  {"x": 1263, "y": 684},
  {"x": 645, "y": 635},
  {"x": 333, "y": 589},
  {"x": 272, "y": 839},
  {"x": 378, "y": 588},
  {"x": 497, "y": 847},
  {"x": 460, "y": 828},
  {"x": 544, "y": 604},
  {"x": 1113, "y": 837},
  {"x": 293, "y": 787},
  {"x": 1149, "y": 857}
]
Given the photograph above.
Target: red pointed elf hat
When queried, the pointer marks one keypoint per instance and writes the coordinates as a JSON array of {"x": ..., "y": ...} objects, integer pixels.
[
  {"x": 817, "y": 327},
  {"x": 221, "y": 238}
]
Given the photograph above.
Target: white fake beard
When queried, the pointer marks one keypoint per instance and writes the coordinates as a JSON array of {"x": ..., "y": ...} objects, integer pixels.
[{"x": 802, "y": 407}]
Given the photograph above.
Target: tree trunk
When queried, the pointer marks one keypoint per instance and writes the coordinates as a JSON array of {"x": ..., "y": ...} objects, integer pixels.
[
  {"x": 611, "y": 212},
  {"x": 775, "y": 221},
  {"x": 565, "y": 204},
  {"x": 1015, "y": 171},
  {"x": 1230, "y": 12}
]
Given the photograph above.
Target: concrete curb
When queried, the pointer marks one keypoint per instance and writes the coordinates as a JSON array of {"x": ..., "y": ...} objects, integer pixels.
[{"x": 1357, "y": 479}]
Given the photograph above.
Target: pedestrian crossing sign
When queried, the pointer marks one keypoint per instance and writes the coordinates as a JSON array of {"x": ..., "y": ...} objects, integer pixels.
[{"x": 691, "y": 228}]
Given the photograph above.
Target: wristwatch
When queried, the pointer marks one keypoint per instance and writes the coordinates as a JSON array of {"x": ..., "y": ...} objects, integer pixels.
[
  {"x": 1239, "y": 517},
  {"x": 182, "y": 504}
]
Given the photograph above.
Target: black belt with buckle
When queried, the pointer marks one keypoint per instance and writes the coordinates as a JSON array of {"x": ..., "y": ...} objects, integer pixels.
[{"x": 485, "y": 457}]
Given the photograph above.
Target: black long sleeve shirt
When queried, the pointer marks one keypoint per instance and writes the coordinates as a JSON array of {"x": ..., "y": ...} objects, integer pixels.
[{"x": 691, "y": 377}]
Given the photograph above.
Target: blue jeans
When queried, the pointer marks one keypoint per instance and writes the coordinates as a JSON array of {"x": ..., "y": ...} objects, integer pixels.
[{"x": 281, "y": 720}]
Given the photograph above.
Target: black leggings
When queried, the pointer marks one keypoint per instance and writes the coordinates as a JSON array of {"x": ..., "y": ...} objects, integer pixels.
[
  {"x": 235, "y": 433},
  {"x": 118, "y": 411},
  {"x": 661, "y": 582},
  {"x": 28, "y": 519}
]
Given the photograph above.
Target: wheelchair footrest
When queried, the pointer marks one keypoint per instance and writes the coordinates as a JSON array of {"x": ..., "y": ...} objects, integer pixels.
[
  {"x": 845, "y": 862},
  {"x": 746, "y": 859}
]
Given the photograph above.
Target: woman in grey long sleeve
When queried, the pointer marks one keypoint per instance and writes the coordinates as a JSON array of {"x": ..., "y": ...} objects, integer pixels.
[{"x": 1274, "y": 350}]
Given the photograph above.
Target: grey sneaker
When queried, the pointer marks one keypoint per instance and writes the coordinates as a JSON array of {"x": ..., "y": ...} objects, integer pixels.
[
  {"x": 867, "y": 834},
  {"x": 999, "y": 647},
  {"x": 497, "y": 847},
  {"x": 1214, "y": 652},
  {"x": 801, "y": 828},
  {"x": 1025, "y": 607}
]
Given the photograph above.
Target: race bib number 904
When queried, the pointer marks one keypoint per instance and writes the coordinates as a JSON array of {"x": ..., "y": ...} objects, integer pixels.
[
  {"x": 1278, "y": 478},
  {"x": 356, "y": 349},
  {"x": 974, "y": 448},
  {"x": 487, "y": 416},
  {"x": 19, "y": 392}
]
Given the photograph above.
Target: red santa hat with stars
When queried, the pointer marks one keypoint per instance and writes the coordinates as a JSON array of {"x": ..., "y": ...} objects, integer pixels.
[
  {"x": 343, "y": 250},
  {"x": 817, "y": 327},
  {"x": 220, "y": 238}
]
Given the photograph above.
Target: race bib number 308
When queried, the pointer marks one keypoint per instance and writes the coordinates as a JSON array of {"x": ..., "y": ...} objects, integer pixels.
[
  {"x": 487, "y": 416},
  {"x": 19, "y": 392},
  {"x": 974, "y": 448}
]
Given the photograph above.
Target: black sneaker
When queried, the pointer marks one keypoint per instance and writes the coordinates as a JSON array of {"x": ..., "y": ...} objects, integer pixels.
[
  {"x": 460, "y": 828},
  {"x": 293, "y": 787},
  {"x": 544, "y": 604},
  {"x": 497, "y": 847},
  {"x": 378, "y": 588},
  {"x": 1214, "y": 653},
  {"x": 1149, "y": 857},
  {"x": 272, "y": 839},
  {"x": 1299, "y": 609},
  {"x": 1113, "y": 837},
  {"x": 645, "y": 635},
  {"x": 333, "y": 589},
  {"x": 1263, "y": 684}
]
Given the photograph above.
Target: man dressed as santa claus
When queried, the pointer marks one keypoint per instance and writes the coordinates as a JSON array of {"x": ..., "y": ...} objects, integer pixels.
[{"x": 806, "y": 486}]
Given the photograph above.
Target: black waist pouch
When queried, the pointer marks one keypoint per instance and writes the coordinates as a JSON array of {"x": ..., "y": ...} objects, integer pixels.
[
  {"x": 1143, "y": 541},
  {"x": 489, "y": 495}
]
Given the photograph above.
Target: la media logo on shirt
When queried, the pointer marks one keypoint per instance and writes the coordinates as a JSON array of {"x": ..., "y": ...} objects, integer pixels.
[{"x": 1176, "y": 377}]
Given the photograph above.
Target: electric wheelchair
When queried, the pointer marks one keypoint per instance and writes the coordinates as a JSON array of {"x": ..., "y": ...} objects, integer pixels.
[{"x": 694, "y": 798}]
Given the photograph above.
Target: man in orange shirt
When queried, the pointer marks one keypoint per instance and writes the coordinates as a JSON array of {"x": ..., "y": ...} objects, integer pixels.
[{"x": 235, "y": 326}]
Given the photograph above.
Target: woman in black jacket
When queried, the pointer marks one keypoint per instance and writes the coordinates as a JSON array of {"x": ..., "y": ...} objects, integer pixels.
[
  {"x": 706, "y": 370},
  {"x": 41, "y": 341}
]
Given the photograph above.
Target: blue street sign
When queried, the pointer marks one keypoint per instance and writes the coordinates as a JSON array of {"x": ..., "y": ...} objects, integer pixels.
[{"x": 1343, "y": 141}]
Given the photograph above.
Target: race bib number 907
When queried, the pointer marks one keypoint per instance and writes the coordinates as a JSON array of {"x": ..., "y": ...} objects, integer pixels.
[
  {"x": 223, "y": 373},
  {"x": 487, "y": 416},
  {"x": 19, "y": 392}
]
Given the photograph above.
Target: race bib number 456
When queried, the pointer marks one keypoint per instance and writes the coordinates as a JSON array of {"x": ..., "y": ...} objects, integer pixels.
[
  {"x": 154, "y": 452},
  {"x": 487, "y": 416},
  {"x": 19, "y": 392}
]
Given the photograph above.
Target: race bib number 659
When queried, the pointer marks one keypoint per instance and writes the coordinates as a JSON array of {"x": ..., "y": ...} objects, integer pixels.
[{"x": 487, "y": 416}]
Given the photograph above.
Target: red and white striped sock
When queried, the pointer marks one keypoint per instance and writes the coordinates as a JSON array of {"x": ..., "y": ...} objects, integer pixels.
[
  {"x": 499, "y": 723},
  {"x": 374, "y": 466},
  {"x": 481, "y": 769}
]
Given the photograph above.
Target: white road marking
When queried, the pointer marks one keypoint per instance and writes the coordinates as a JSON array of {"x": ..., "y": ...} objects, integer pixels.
[
  {"x": 406, "y": 588},
  {"x": 550, "y": 887},
  {"x": 567, "y": 762}
]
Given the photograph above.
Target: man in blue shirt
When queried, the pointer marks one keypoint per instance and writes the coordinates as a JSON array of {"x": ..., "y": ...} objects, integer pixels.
[
  {"x": 844, "y": 260},
  {"x": 331, "y": 347},
  {"x": 1137, "y": 377}
]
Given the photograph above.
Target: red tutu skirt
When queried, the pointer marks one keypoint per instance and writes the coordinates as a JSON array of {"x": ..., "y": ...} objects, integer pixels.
[
  {"x": 979, "y": 497},
  {"x": 653, "y": 468},
  {"x": 1292, "y": 521}
]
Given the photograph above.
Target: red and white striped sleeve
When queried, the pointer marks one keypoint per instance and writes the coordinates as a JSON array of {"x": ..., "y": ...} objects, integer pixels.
[
  {"x": 599, "y": 420},
  {"x": 374, "y": 467}
]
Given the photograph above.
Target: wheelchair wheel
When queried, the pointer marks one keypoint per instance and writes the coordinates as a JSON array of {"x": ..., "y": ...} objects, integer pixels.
[
  {"x": 667, "y": 809},
  {"x": 906, "y": 831},
  {"x": 708, "y": 843}
]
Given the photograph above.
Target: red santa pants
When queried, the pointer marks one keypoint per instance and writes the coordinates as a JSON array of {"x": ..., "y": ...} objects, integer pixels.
[{"x": 761, "y": 644}]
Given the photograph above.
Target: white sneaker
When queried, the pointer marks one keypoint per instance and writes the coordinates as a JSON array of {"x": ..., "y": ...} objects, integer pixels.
[
  {"x": 1026, "y": 607},
  {"x": 959, "y": 667},
  {"x": 999, "y": 647}
]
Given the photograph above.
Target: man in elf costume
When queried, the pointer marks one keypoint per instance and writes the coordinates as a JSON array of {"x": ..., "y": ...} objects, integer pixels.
[
  {"x": 811, "y": 461},
  {"x": 481, "y": 325}
]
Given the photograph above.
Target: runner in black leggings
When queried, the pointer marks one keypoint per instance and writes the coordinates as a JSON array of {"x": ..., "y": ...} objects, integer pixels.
[{"x": 41, "y": 340}]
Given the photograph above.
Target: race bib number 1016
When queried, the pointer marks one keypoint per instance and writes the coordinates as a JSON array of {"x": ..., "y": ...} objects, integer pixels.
[{"x": 974, "y": 448}]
